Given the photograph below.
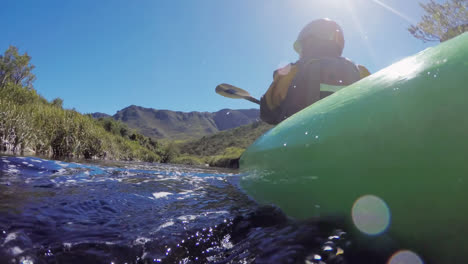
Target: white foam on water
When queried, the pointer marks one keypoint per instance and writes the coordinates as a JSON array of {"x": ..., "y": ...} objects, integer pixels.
[
  {"x": 26, "y": 260},
  {"x": 60, "y": 171},
  {"x": 15, "y": 251},
  {"x": 226, "y": 242},
  {"x": 13, "y": 171},
  {"x": 34, "y": 160},
  {"x": 187, "y": 191},
  {"x": 216, "y": 212},
  {"x": 10, "y": 237},
  {"x": 141, "y": 240},
  {"x": 61, "y": 164},
  {"x": 67, "y": 245},
  {"x": 167, "y": 224},
  {"x": 158, "y": 195},
  {"x": 187, "y": 217}
]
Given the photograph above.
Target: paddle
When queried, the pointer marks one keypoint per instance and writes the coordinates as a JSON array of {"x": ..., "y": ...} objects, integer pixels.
[{"x": 232, "y": 91}]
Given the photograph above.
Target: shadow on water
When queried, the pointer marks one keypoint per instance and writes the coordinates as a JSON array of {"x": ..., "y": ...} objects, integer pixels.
[{"x": 65, "y": 212}]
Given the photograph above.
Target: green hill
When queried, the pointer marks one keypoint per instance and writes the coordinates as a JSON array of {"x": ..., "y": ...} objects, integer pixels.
[
  {"x": 221, "y": 149},
  {"x": 175, "y": 125}
]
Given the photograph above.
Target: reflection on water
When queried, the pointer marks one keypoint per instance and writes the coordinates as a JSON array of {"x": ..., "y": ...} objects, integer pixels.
[{"x": 59, "y": 212}]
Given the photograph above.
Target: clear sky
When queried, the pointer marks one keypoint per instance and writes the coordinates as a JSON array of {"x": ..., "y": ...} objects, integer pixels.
[{"x": 104, "y": 55}]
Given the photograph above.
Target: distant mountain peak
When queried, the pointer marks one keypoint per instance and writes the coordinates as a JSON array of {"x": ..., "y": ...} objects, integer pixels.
[
  {"x": 99, "y": 115},
  {"x": 182, "y": 125}
]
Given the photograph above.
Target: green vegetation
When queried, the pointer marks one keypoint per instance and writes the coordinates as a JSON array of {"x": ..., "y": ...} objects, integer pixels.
[
  {"x": 29, "y": 123},
  {"x": 173, "y": 125},
  {"x": 221, "y": 149},
  {"x": 442, "y": 22}
]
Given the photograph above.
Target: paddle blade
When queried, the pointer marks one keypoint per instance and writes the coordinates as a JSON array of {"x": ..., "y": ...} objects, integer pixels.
[{"x": 231, "y": 91}]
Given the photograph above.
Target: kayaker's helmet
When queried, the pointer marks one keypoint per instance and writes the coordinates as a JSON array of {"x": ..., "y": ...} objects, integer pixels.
[{"x": 323, "y": 30}]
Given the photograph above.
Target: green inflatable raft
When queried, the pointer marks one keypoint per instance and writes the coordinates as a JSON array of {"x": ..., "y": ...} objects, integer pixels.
[{"x": 388, "y": 153}]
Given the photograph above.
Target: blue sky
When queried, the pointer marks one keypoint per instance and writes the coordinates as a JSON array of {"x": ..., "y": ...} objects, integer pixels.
[{"x": 101, "y": 56}]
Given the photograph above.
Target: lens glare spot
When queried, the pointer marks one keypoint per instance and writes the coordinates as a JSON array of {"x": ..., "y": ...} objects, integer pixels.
[
  {"x": 371, "y": 215},
  {"x": 405, "y": 257}
]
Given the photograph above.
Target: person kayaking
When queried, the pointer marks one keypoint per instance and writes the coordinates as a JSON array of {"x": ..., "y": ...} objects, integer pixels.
[{"x": 319, "y": 72}]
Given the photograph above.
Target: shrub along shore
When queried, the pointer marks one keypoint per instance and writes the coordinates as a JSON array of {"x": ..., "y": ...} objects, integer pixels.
[{"x": 29, "y": 124}]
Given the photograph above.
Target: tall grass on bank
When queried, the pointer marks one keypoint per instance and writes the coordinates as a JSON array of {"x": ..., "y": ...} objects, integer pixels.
[{"x": 29, "y": 123}]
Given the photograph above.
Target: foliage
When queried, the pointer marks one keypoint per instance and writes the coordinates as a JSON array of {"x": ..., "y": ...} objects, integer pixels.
[
  {"x": 57, "y": 102},
  {"x": 188, "y": 160},
  {"x": 221, "y": 149},
  {"x": 229, "y": 156},
  {"x": 441, "y": 21},
  {"x": 171, "y": 151},
  {"x": 172, "y": 125},
  {"x": 16, "y": 69},
  {"x": 240, "y": 137},
  {"x": 30, "y": 122}
]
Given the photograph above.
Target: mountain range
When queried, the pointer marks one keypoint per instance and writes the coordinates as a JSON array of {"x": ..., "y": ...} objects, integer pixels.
[{"x": 175, "y": 125}]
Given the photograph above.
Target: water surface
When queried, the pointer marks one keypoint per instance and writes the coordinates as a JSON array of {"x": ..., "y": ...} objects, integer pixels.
[{"x": 122, "y": 212}]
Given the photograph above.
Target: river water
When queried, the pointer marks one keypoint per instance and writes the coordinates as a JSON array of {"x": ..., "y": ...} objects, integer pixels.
[{"x": 122, "y": 212}]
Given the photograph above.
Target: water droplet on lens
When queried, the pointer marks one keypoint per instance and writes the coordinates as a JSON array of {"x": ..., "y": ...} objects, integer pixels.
[
  {"x": 327, "y": 248},
  {"x": 339, "y": 251}
]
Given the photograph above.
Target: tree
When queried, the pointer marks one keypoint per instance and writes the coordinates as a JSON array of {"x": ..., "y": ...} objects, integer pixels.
[
  {"x": 57, "y": 102},
  {"x": 441, "y": 22},
  {"x": 16, "y": 69}
]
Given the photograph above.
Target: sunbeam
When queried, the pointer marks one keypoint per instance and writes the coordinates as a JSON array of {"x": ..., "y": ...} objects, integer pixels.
[
  {"x": 394, "y": 11},
  {"x": 358, "y": 25}
]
